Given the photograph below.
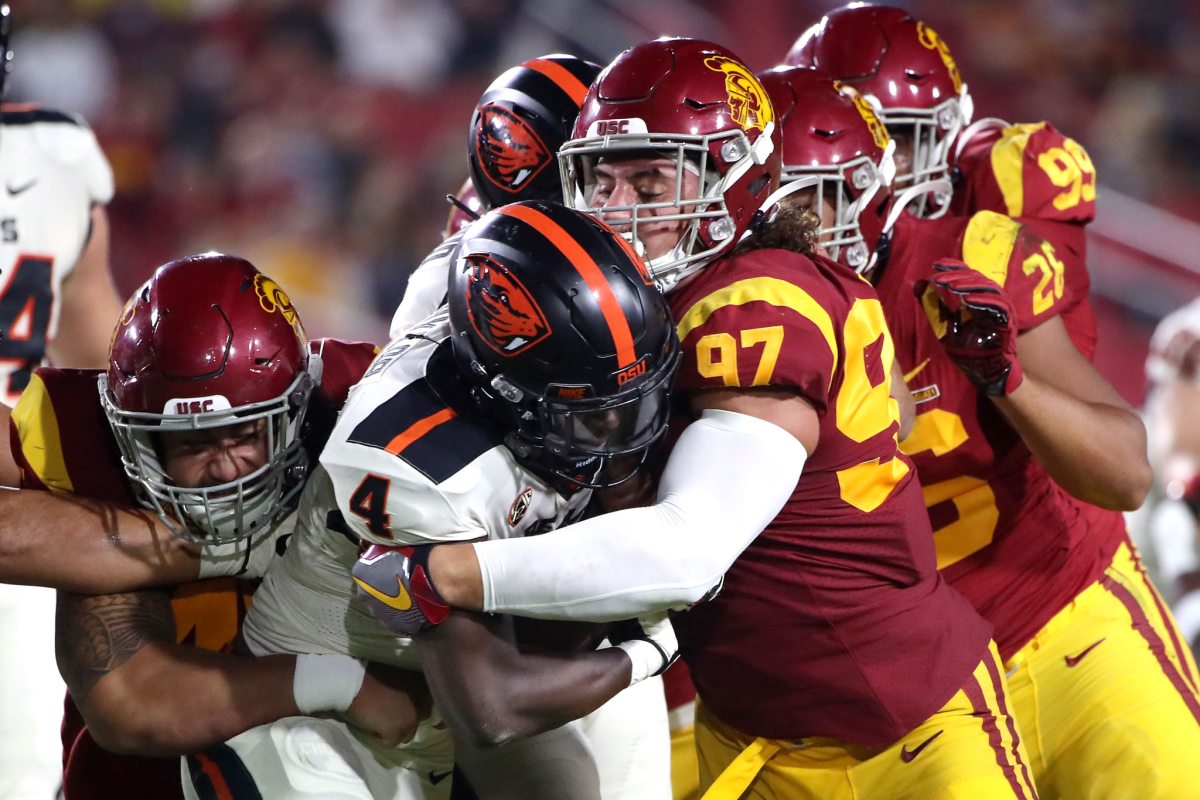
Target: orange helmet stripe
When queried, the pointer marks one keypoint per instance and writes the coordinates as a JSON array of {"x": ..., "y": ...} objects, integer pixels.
[
  {"x": 575, "y": 88},
  {"x": 592, "y": 276}
]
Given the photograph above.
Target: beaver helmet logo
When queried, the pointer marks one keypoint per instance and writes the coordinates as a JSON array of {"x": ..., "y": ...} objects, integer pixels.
[
  {"x": 502, "y": 311},
  {"x": 878, "y": 129},
  {"x": 272, "y": 298},
  {"x": 748, "y": 102},
  {"x": 510, "y": 153},
  {"x": 930, "y": 39}
]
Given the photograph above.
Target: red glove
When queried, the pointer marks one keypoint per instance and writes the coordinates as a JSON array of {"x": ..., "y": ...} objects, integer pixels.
[
  {"x": 394, "y": 584},
  {"x": 975, "y": 323}
]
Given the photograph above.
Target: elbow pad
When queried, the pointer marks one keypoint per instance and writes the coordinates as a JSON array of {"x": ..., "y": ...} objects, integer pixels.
[{"x": 726, "y": 480}]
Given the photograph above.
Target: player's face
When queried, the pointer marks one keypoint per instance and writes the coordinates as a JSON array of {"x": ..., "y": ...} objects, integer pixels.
[
  {"x": 212, "y": 456},
  {"x": 902, "y": 135},
  {"x": 649, "y": 179}
]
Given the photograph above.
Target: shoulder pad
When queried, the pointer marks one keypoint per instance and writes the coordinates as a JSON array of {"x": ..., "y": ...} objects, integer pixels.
[{"x": 988, "y": 243}]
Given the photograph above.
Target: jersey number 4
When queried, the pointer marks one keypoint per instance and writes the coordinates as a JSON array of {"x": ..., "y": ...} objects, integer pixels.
[
  {"x": 25, "y": 307},
  {"x": 369, "y": 502}
]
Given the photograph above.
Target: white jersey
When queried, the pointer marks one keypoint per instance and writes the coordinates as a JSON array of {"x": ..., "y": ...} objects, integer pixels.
[
  {"x": 426, "y": 291},
  {"x": 403, "y": 464},
  {"x": 53, "y": 173}
]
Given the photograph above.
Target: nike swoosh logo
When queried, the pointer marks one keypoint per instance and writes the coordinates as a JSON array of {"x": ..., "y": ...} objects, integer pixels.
[
  {"x": 1073, "y": 660},
  {"x": 401, "y": 601},
  {"x": 436, "y": 778},
  {"x": 14, "y": 192},
  {"x": 907, "y": 755},
  {"x": 916, "y": 371}
]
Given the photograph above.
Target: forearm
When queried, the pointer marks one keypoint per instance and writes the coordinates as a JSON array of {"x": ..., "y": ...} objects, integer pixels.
[
  {"x": 80, "y": 545},
  {"x": 490, "y": 693},
  {"x": 726, "y": 479},
  {"x": 1095, "y": 451},
  {"x": 171, "y": 700}
]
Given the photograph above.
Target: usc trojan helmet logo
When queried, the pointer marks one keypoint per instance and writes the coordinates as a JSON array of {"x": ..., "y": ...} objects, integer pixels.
[
  {"x": 502, "y": 311},
  {"x": 272, "y": 298},
  {"x": 748, "y": 102},
  {"x": 509, "y": 152},
  {"x": 878, "y": 129},
  {"x": 931, "y": 40}
]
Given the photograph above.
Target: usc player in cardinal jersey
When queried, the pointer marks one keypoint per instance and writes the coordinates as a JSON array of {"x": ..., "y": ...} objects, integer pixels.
[
  {"x": 1030, "y": 171},
  {"x": 1102, "y": 690},
  {"x": 834, "y": 661}
]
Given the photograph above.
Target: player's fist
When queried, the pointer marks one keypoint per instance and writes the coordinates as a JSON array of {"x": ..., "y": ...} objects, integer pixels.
[
  {"x": 394, "y": 584},
  {"x": 975, "y": 322},
  {"x": 650, "y": 643}
]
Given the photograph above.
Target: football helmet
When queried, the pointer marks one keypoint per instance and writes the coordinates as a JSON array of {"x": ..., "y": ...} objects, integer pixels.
[
  {"x": 208, "y": 342},
  {"x": 519, "y": 123},
  {"x": 564, "y": 338},
  {"x": 693, "y": 102},
  {"x": 831, "y": 134},
  {"x": 906, "y": 71}
]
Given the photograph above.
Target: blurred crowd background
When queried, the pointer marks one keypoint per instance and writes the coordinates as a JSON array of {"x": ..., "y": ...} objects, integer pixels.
[{"x": 319, "y": 137}]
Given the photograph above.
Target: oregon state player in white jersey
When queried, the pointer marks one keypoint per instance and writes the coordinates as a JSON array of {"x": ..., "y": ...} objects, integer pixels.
[
  {"x": 56, "y": 301},
  {"x": 433, "y": 446}
]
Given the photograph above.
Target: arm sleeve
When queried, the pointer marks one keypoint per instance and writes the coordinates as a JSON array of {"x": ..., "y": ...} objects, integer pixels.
[{"x": 726, "y": 480}]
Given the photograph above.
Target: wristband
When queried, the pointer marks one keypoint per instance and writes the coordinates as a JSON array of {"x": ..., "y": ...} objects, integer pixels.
[
  {"x": 326, "y": 682},
  {"x": 647, "y": 657}
]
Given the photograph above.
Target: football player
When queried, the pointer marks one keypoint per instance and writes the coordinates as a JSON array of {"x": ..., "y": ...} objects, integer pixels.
[
  {"x": 199, "y": 419},
  {"x": 439, "y": 443},
  {"x": 835, "y": 661},
  {"x": 56, "y": 301},
  {"x": 519, "y": 123},
  {"x": 1092, "y": 657},
  {"x": 954, "y": 164}
]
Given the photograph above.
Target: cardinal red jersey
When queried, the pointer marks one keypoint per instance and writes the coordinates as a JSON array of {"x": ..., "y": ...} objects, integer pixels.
[
  {"x": 62, "y": 441},
  {"x": 834, "y": 621},
  {"x": 1033, "y": 172},
  {"x": 1008, "y": 538}
]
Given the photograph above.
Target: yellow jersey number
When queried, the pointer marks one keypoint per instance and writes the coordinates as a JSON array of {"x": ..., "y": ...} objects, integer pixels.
[
  {"x": 1070, "y": 168},
  {"x": 863, "y": 410},
  {"x": 942, "y": 431}
]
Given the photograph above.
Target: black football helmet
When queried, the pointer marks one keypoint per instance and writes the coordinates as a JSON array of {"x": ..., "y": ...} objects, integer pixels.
[
  {"x": 520, "y": 122},
  {"x": 564, "y": 337}
]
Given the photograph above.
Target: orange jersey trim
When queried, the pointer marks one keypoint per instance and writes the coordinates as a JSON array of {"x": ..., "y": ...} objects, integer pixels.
[{"x": 419, "y": 429}]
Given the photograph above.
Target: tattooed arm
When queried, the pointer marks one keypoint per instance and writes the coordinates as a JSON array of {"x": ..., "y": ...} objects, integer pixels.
[{"x": 142, "y": 693}]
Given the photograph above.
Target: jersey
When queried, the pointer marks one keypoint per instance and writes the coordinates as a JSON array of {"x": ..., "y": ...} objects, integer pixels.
[
  {"x": 62, "y": 442},
  {"x": 1008, "y": 537},
  {"x": 53, "y": 173},
  {"x": 835, "y": 621},
  {"x": 1033, "y": 172},
  {"x": 411, "y": 461},
  {"x": 426, "y": 291}
]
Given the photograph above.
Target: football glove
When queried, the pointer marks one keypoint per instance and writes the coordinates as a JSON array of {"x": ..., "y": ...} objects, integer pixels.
[
  {"x": 650, "y": 643},
  {"x": 975, "y": 322},
  {"x": 395, "y": 585}
]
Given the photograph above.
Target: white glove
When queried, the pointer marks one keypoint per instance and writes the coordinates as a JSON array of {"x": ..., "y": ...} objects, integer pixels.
[{"x": 650, "y": 643}]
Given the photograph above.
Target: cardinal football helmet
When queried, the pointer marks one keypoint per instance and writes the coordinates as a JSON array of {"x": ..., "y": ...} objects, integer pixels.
[
  {"x": 905, "y": 70},
  {"x": 832, "y": 135},
  {"x": 208, "y": 342},
  {"x": 693, "y": 102}
]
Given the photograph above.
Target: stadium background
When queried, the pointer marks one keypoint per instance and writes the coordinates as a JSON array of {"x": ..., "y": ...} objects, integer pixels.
[{"x": 318, "y": 137}]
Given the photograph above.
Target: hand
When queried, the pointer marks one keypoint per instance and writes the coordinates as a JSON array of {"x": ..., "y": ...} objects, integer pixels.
[
  {"x": 391, "y": 704},
  {"x": 650, "y": 643},
  {"x": 975, "y": 322},
  {"x": 395, "y": 585}
]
